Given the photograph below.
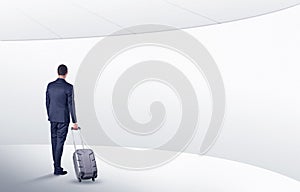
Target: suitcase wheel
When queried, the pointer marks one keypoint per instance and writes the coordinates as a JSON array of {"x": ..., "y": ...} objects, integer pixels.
[
  {"x": 93, "y": 179},
  {"x": 79, "y": 179}
]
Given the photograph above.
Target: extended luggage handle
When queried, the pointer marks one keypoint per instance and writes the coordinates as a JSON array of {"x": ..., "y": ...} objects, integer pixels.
[{"x": 78, "y": 129}]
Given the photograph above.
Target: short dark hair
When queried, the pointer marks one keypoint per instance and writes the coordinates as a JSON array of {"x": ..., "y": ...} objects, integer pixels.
[{"x": 62, "y": 69}]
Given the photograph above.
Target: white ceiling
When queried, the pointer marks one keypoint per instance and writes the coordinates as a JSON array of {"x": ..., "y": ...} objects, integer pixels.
[{"x": 57, "y": 19}]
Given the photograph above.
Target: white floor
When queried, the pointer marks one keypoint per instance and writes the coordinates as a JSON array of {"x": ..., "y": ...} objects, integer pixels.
[{"x": 29, "y": 168}]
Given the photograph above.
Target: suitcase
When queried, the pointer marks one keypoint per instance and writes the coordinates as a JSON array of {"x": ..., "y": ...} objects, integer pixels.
[{"x": 84, "y": 162}]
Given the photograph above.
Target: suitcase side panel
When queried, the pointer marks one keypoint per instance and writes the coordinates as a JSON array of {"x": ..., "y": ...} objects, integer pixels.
[
  {"x": 85, "y": 164},
  {"x": 76, "y": 164}
]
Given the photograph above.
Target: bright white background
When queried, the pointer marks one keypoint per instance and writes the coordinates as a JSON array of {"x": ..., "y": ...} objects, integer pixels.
[{"x": 258, "y": 58}]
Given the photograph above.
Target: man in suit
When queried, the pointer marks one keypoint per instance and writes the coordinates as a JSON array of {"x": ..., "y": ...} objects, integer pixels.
[{"x": 60, "y": 104}]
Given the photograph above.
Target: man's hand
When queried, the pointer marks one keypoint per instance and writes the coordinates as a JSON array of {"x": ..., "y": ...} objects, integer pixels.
[{"x": 75, "y": 126}]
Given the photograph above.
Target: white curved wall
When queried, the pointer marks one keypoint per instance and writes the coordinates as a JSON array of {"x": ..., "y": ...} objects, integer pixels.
[{"x": 258, "y": 59}]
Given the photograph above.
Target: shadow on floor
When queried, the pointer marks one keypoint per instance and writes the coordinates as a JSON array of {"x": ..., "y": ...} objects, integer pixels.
[
  {"x": 41, "y": 178},
  {"x": 85, "y": 182}
]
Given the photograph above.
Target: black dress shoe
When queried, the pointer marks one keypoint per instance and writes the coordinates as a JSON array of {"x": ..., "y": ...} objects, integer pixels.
[{"x": 60, "y": 173}]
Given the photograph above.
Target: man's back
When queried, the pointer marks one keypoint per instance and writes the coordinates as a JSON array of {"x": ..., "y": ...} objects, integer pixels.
[
  {"x": 60, "y": 101},
  {"x": 60, "y": 104}
]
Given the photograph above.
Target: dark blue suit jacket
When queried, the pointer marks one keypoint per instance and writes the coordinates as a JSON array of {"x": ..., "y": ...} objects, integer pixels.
[{"x": 60, "y": 101}]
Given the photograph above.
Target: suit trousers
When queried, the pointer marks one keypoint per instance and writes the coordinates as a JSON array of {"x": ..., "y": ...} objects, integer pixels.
[{"x": 59, "y": 133}]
